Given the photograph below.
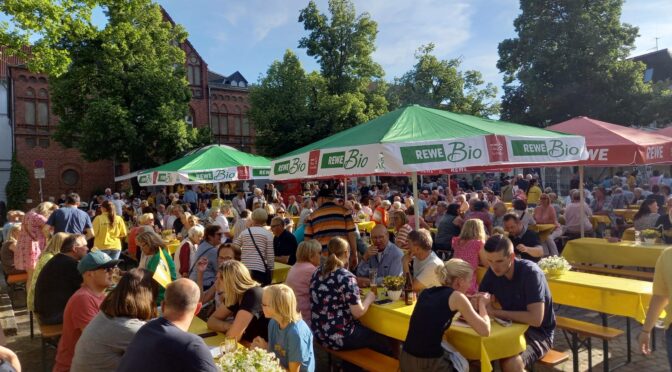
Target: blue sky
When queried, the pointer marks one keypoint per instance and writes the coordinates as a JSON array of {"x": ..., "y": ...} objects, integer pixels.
[{"x": 248, "y": 35}]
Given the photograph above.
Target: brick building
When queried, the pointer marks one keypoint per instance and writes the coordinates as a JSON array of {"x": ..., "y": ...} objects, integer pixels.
[{"x": 27, "y": 124}]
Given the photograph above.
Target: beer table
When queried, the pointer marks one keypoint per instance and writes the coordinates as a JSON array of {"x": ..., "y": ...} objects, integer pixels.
[
  {"x": 543, "y": 229},
  {"x": 599, "y": 219},
  {"x": 623, "y": 253},
  {"x": 393, "y": 319},
  {"x": 625, "y": 213}
]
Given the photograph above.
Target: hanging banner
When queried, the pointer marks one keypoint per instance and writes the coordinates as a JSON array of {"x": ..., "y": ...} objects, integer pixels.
[{"x": 160, "y": 178}]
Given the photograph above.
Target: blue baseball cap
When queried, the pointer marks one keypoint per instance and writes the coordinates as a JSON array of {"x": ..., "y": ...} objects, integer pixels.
[{"x": 96, "y": 260}]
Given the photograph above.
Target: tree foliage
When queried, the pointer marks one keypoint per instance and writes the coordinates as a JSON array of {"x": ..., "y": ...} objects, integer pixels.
[
  {"x": 569, "y": 59},
  {"x": 438, "y": 83},
  {"x": 349, "y": 90},
  {"x": 18, "y": 185},
  {"x": 281, "y": 107}
]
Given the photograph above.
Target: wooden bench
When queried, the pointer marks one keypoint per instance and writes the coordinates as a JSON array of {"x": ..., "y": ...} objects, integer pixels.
[
  {"x": 17, "y": 278},
  {"x": 365, "y": 358},
  {"x": 581, "y": 333},
  {"x": 50, "y": 334},
  {"x": 623, "y": 273},
  {"x": 552, "y": 358}
]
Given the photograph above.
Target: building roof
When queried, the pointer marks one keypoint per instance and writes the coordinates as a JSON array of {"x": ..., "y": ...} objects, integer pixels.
[
  {"x": 217, "y": 80},
  {"x": 8, "y": 61},
  {"x": 658, "y": 65}
]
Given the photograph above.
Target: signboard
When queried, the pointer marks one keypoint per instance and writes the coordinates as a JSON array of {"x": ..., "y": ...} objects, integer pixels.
[{"x": 39, "y": 173}]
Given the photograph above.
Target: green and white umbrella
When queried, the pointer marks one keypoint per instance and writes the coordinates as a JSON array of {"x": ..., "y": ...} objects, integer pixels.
[
  {"x": 419, "y": 139},
  {"x": 209, "y": 164}
]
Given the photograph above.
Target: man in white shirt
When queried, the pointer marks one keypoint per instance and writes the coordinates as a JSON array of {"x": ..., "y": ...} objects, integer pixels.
[
  {"x": 224, "y": 224},
  {"x": 425, "y": 261}
]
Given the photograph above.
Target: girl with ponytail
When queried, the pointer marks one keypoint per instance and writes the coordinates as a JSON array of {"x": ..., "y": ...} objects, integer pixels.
[
  {"x": 108, "y": 229},
  {"x": 431, "y": 317},
  {"x": 336, "y": 304}
]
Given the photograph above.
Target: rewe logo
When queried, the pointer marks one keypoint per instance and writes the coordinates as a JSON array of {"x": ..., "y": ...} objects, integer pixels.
[
  {"x": 654, "y": 152},
  {"x": 598, "y": 154}
]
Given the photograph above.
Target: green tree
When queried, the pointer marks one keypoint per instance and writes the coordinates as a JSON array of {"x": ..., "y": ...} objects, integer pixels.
[
  {"x": 18, "y": 185},
  {"x": 570, "y": 59},
  {"x": 438, "y": 83},
  {"x": 350, "y": 89},
  {"x": 659, "y": 106},
  {"x": 281, "y": 107},
  {"x": 50, "y": 23},
  {"x": 125, "y": 95}
]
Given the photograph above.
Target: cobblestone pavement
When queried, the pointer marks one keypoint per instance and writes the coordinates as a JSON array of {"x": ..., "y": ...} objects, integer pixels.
[{"x": 29, "y": 350}]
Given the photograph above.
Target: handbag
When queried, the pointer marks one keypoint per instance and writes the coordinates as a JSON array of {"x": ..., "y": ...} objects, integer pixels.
[{"x": 267, "y": 278}]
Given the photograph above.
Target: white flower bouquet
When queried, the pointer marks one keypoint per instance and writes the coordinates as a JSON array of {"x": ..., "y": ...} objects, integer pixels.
[
  {"x": 554, "y": 265},
  {"x": 246, "y": 360}
]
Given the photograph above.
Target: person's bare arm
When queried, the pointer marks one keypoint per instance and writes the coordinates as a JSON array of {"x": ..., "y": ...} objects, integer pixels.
[
  {"x": 354, "y": 259},
  {"x": 239, "y": 325},
  {"x": 656, "y": 306},
  {"x": 536, "y": 251},
  {"x": 534, "y": 315},
  {"x": 217, "y": 321},
  {"x": 360, "y": 309}
]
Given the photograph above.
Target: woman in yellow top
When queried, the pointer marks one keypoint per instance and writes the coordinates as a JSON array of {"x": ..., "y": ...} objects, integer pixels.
[
  {"x": 108, "y": 229},
  {"x": 533, "y": 194}
]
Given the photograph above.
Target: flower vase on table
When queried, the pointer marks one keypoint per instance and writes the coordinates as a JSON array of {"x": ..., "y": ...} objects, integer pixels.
[
  {"x": 554, "y": 266},
  {"x": 649, "y": 236},
  {"x": 394, "y": 286}
]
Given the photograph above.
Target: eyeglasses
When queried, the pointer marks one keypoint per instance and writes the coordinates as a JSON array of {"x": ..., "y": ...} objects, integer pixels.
[{"x": 276, "y": 225}]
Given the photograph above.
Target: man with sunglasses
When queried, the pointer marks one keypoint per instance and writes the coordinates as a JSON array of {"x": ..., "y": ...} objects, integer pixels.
[
  {"x": 58, "y": 280},
  {"x": 96, "y": 269}
]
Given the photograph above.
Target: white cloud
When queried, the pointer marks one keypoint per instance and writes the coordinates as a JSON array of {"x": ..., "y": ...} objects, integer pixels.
[{"x": 404, "y": 26}]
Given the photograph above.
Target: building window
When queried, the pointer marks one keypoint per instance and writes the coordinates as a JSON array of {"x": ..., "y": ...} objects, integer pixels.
[
  {"x": 30, "y": 92},
  {"x": 43, "y": 93},
  {"x": 246, "y": 126},
  {"x": 70, "y": 177},
  {"x": 223, "y": 121},
  {"x": 42, "y": 113},
  {"x": 237, "y": 124},
  {"x": 648, "y": 74},
  {"x": 44, "y": 142},
  {"x": 31, "y": 142},
  {"x": 29, "y": 114},
  {"x": 193, "y": 70}
]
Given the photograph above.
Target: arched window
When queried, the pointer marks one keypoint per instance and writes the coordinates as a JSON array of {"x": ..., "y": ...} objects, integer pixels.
[
  {"x": 237, "y": 121},
  {"x": 223, "y": 120},
  {"x": 246, "y": 124},
  {"x": 214, "y": 117},
  {"x": 190, "y": 118},
  {"x": 30, "y": 92},
  {"x": 193, "y": 69}
]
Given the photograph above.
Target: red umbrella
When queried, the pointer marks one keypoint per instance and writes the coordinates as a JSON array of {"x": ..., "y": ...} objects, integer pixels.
[
  {"x": 612, "y": 144},
  {"x": 665, "y": 131}
]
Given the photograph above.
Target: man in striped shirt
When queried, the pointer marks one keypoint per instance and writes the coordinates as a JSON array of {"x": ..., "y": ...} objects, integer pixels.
[{"x": 329, "y": 221}]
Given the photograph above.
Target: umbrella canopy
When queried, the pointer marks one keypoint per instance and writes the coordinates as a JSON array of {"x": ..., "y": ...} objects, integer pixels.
[
  {"x": 667, "y": 131},
  {"x": 612, "y": 144},
  {"x": 420, "y": 139},
  {"x": 209, "y": 164}
]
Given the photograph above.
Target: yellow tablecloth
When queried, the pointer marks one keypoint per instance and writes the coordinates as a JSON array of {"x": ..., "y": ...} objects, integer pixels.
[
  {"x": 605, "y": 294},
  {"x": 172, "y": 246},
  {"x": 600, "y": 251},
  {"x": 199, "y": 326},
  {"x": 601, "y": 293},
  {"x": 625, "y": 213},
  {"x": 393, "y": 319},
  {"x": 598, "y": 219},
  {"x": 543, "y": 229},
  {"x": 366, "y": 226},
  {"x": 280, "y": 271},
  {"x": 629, "y": 234}
]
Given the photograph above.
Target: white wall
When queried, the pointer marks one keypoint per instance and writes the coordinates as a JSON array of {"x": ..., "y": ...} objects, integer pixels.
[{"x": 5, "y": 140}]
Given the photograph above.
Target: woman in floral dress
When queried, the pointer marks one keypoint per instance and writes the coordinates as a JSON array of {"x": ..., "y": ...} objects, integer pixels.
[{"x": 31, "y": 240}]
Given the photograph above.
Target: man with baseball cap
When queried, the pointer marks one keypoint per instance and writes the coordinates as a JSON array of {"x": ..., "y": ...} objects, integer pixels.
[{"x": 96, "y": 269}]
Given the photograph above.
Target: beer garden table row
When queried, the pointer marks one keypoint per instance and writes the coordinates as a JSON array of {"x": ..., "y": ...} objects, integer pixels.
[{"x": 601, "y": 251}]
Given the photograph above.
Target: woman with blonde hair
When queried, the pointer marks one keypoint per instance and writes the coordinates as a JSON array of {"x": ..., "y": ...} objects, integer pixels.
[
  {"x": 336, "y": 305},
  {"x": 431, "y": 318},
  {"x": 468, "y": 246},
  {"x": 53, "y": 248},
  {"x": 9, "y": 249},
  {"x": 298, "y": 278},
  {"x": 151, "y": 244},
  {"x": 32, "y": 240},
  {"x": 288, "y": 335},
  {"x": 109, "y": 229},
  {"x": 399, "y": 222},
  {"x": 242, "y": 300}
]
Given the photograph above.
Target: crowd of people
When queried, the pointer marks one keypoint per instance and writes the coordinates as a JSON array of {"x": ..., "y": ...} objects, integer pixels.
[{"x": 222, "y": 268}]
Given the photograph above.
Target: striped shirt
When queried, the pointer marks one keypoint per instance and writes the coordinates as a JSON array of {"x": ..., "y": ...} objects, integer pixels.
[
  {"x": 401, "y": 237},
  {"x": 329, "y": 221},
  {"x": 250, "y": 257}
]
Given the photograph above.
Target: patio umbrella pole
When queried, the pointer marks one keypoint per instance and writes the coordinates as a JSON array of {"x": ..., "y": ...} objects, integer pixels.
[
  {"x": 582, "y": 197},
  {"x": 345, "y": 189},
  {"x": 217, "y": 190},
  {"x": 415, "y": 199}
]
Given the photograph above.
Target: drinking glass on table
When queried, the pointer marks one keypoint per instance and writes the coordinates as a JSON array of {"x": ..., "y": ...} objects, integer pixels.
[
  {"x": 373, "y": 275},
  {"x": 229, "y": 345}
]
